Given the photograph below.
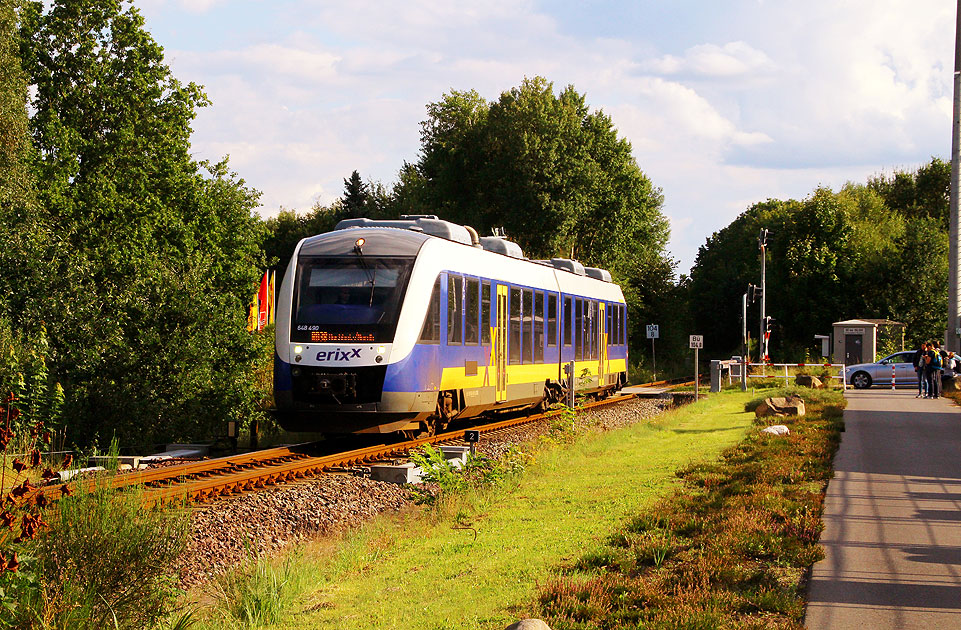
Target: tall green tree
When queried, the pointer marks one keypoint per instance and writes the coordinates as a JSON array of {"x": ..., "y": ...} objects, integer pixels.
[
  {"x": 553, "y": 173},
  {"x": 24, "y": 235},
  {"x": 545, "y": 167},
  {"x": 356, "y": 200},
  {"x": 876, "y": 251},
  {"x": 156, "y": 254}
]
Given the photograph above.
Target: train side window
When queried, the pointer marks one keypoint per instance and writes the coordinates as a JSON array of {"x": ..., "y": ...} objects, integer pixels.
[
  {"x": 527, "y": 348},
  {"x": 485, "y": 312},
  {"x": 430, "y": 333},
  {"x": 609, "y": 312},
  {"x": 595, "y": 325},
  {"x": 588, "y": 329},
  {"x": 515, "y": 326},
  {"x": 539, "y": 326},
  {"x": 620, "y": 323},
  {"x": 567, "y": 314},
  {"x": 471, "y": 311},
  {"x": 612, "y": 324},
  {"x": 455, "y": 308},
  {"x": 579, "y": 331},
  {"x": 616, "y": 334},
  {"x": 551, "y": 319},
  {"x": 624, "y": 324}
]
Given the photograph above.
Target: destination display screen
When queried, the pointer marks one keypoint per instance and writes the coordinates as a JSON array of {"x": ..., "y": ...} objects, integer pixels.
[{"x": 322, "y": 336}]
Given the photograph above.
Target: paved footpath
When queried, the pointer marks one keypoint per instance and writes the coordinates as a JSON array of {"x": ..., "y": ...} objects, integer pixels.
[{"x": 892, "y": 535}]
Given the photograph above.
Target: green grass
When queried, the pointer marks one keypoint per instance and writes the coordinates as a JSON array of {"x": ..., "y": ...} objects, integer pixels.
[
  {"x": 428, "y": 571},
  {"x": 728, "y": 549}
]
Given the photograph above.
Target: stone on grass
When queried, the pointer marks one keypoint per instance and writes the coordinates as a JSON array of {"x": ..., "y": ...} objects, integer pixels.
[
  {"x": 777, "y": 429},
  {"x": 809, "y": 380},
  {"x": 780, "y": 407},
  {"x": 529, "y": 624}
]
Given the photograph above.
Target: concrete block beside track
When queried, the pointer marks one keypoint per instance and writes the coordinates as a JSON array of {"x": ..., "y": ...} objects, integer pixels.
[
  {"x": 456, "y": 455},
  {"x": 397, "y": 473}
]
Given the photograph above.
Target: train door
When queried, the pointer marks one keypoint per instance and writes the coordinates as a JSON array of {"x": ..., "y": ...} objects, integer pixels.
[
  {"x": 500, "y": 345},
  {"x": 601, "y": 344}
]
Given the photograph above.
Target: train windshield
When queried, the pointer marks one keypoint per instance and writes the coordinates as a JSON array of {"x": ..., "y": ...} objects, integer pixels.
[{"x": 343, "y": 300}]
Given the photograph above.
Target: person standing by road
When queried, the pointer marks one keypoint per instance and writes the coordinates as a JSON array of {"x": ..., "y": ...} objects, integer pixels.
[
  {"x": 918, "y": 362},
  {"x": 933, "y": 370},
  {"x": 942, "y": 363}
]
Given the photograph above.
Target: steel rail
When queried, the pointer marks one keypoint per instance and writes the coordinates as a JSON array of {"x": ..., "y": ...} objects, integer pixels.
[
  {"x": 208, "y": 479},
  {"x": 248, "y": 480}
]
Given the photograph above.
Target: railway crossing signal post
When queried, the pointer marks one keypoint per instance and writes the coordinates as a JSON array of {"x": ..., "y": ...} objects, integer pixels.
[
  {"x": 762, "y": 240},
  {"x": 697, "y": 342}
]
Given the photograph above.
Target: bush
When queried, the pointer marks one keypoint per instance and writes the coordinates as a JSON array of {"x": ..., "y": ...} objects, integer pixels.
[{"x": 105, "y": 562}]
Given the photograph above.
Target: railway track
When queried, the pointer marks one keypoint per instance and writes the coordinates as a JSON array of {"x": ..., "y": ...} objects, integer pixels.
[{"x": 210, "y": 479}]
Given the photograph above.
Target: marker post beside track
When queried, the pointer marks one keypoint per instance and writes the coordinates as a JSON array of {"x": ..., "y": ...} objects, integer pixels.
[{"x": 696, "y": 342}]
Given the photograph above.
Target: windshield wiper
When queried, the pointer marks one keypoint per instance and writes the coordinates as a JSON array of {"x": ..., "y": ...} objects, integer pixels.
[{"x": 370, "y": 273}]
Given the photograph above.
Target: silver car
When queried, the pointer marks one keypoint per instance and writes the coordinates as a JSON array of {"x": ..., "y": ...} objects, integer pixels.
[{"x": 863, "y": 375}]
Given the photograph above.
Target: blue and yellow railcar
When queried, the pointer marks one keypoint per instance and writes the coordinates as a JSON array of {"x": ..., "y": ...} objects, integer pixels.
[{"x": 407, "y": 325}]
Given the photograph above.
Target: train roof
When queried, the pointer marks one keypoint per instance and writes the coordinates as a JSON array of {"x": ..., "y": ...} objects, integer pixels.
[{"x": 406, "y": 235}]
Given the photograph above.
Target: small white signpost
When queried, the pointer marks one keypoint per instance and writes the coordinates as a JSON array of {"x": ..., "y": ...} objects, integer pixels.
[
  {"x": 697, "y": 342},
  {"x": 652, "y": 334}
]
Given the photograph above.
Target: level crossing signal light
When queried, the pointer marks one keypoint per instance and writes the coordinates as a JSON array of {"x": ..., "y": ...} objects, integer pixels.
[
  {"x": 754, "y": 293},
  {"x": 763, "y": 237}
]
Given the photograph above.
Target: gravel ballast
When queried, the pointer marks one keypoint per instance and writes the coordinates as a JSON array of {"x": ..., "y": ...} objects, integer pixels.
[{"x": 226, "y": 532}]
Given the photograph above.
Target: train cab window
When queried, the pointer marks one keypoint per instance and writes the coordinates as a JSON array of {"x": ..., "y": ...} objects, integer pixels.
[
  {"x": 455, "y": 309},
  {"x": 514, "y": 334},
  {"x": 527, "y": 348},
  {"x": 430, "y": 333},
  {"x": 539, "y": 327},
  {"x": 579, "y": 330},
  {"x": 471, "y": 312},
  {"x": 348, "y": 299},
  {"x": 551, "y": 319},
  {"x": 485, "y": 313},
  {"x": 567, "y": 314}
]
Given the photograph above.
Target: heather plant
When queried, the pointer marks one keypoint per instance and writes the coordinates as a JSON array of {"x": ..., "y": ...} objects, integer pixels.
[{"x": 105, "y": 561}]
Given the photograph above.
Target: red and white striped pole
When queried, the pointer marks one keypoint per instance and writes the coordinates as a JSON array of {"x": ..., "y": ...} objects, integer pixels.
[{"x": 892, "y": 376}]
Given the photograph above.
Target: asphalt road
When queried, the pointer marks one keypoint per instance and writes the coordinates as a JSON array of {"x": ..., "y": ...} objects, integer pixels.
[{"x": 892, "y": 517}]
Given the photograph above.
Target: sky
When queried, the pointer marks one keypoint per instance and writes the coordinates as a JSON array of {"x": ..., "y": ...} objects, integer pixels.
[{"x": 725, "y": 103}]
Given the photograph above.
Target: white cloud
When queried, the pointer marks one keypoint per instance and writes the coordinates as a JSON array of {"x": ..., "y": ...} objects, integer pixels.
[
  {"x": 710, "y": 60},
  {"x": 769, "y": 101}
]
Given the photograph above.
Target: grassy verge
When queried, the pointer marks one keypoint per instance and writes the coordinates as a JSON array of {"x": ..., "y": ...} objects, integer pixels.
[
  {"x": 730, "y": 548},
  {"x": 467, "y": 562}
]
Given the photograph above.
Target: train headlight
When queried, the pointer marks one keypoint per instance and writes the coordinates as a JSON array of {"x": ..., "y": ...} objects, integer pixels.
[
  {"x": 381, "y": 349},
  {"x": 298, "y": 349}
]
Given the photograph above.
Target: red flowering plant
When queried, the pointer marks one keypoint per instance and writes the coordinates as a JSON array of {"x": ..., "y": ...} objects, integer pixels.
[{"x": 22, "y": 497}]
